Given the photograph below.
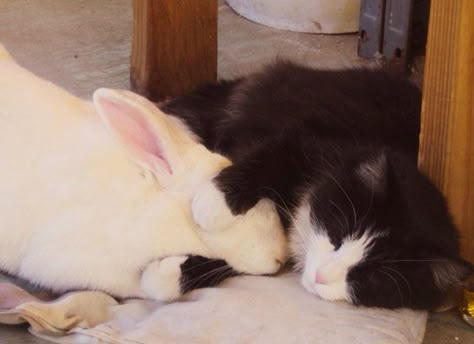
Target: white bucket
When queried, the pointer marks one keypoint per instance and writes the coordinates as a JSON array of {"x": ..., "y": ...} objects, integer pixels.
[{"x": 314, "y": 16}]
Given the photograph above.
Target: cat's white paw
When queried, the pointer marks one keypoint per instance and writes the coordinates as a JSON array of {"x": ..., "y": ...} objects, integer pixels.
[
  {"x": 161, "y": 279},
  {"x": 210, "y": 210},
  {"x": 254, "y": 243}
]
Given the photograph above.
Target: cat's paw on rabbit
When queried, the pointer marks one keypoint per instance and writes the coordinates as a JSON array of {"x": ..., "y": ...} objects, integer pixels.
[
  {"x": 169, "y": 278},
  {"x": 161, "y": 278}
]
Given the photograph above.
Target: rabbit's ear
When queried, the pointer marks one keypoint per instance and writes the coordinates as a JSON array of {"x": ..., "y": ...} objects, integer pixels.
[{"x": 142, "y": 129}]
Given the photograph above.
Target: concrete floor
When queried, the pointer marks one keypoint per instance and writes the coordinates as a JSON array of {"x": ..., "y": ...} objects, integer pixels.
[{"x": 84, "y": 44}]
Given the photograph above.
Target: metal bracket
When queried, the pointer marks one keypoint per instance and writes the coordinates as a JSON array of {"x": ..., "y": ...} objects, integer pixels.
[
  {"x": 397, "y": 32},
  {"x": 371, "y": 28},
  {"x": 386, "y": 26}
]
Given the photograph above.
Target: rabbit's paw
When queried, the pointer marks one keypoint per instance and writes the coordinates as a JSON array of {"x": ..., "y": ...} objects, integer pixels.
[{"x": 161, "y": 279}]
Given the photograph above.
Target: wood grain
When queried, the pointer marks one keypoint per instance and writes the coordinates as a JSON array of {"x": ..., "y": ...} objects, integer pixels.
[
  {"x": 447, "y": 128},
  {"x": 174, "y": 46}
]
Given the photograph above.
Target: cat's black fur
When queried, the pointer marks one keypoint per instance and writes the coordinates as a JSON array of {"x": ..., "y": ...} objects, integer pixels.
[
  {"x": 200, "y": 272},
  {"x": 347, "y": 142}
]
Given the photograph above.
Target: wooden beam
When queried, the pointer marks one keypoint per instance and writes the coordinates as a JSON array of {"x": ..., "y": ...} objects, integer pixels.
[
  {"x": 174, "y": 46},
  {"x": 447, "y": 127}
]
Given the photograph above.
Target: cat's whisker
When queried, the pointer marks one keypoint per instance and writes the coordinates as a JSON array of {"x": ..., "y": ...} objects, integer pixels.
[
  {"x": 416, "y": 260},
  {"x": 341, "y": 225},
  {"x": 372, "y": 194},
  {"x": 347, "y": 196},
  {"x": 219, "y": 275},
  {"x": 347, "y": 228},
  {"x": 298, "y": 263},
  {"x": 330, "y": 166},
  {"x": 303, "y": 236},
  {"x": 394, "y": 281},
  {"x": 404, "y": 278},
  {"x": 284, "y": 207},
  {"x": 221, "y": 269},
  {"x": 217, "y": 269},
  {"x": 302, "y": 239},
  {"x": 199, "y": 265}
]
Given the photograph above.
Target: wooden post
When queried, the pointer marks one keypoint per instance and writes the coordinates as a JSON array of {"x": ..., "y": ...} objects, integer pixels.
[
  {"x": 174, "y": 46},
  {"x": 447, "y": 127}
]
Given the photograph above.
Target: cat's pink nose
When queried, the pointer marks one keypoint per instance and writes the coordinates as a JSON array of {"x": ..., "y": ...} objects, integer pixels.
[{"x": 319, "y": 278}]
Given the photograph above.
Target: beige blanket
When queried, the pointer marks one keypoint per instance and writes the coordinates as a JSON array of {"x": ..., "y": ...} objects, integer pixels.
[{"x": 246, "y": 309}]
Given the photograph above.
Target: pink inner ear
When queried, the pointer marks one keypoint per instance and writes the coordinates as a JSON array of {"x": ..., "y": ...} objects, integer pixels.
[{"x": 135, "y": 131}]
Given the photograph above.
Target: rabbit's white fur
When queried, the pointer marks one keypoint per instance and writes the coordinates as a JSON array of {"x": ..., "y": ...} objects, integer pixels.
[{"x": 88, "y": 205}]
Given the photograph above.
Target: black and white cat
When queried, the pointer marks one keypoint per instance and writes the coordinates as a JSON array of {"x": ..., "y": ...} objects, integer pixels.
[{"x": 336, "y": 151}]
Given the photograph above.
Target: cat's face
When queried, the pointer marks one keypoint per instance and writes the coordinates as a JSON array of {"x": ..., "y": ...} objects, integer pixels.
[{"x": 377, "y": 234}]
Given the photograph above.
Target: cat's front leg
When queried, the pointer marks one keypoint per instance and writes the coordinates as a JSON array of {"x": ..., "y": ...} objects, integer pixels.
[
  {"x": 169, "y": 278},
  {"x": 252, "y": 242},
  {"x": 224, "y": 201},
  {"x": 202, "y": 272},
  {"x": 267, "y": 175},
  {"x": 161, "y": 278},
  {"x": 210, "y": 209}
]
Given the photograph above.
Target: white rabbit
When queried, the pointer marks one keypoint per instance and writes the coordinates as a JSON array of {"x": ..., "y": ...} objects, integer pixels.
[{"x": 104, "y": 202}]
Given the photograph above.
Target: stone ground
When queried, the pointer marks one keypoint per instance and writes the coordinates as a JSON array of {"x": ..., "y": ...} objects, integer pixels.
[{"x": 84, "y": 44}]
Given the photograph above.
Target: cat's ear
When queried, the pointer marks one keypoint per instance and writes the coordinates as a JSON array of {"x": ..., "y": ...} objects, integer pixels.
[
  {"x": 450, "y": 272},
  {"x": 374, "y": 172}
]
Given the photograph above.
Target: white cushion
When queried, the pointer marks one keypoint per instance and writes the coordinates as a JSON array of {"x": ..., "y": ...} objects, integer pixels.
[{"x": 247, "y": 309}]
